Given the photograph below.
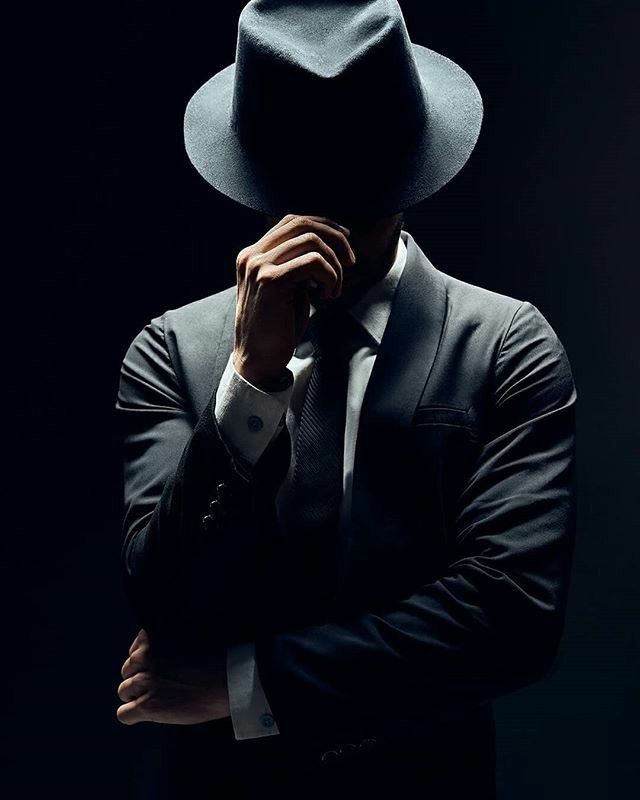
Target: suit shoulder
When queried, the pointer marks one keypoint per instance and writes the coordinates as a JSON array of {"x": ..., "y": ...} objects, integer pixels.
[
  {"x": 473, "y": 308},
  {"x": 185, "y": 335},
  {"x": 208, "y": 313},
  {"x": 522, "y": 333},
  {"x": 503, "y": 317}
]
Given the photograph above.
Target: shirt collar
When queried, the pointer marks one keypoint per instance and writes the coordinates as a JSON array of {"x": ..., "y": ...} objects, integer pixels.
[{"x": 373, "y": 309}]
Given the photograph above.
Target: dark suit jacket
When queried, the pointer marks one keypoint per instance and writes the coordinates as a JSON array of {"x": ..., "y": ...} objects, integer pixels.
[{"x": 453, "y": 576}]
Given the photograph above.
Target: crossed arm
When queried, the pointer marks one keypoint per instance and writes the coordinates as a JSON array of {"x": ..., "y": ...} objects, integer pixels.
[{"x": 490, "y": 625}]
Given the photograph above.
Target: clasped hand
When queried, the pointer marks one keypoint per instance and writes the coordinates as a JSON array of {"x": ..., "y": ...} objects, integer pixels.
[{"x": 158, "y": 691}]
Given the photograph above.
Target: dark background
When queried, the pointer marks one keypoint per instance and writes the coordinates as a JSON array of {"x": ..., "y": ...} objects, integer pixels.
[{"x": 119, "y": 227}]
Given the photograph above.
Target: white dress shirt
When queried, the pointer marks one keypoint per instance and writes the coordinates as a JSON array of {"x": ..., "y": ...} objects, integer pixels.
[{"x": 250, "y": 418}]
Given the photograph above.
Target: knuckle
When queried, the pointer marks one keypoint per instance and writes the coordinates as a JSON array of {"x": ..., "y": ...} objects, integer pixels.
[
  {"x": 253, "y": 264},
  {"x": 243, "y": 257}
]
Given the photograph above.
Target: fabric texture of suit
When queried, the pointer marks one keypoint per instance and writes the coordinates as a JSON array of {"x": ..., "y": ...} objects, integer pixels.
[{"x": 454, "y": 570}]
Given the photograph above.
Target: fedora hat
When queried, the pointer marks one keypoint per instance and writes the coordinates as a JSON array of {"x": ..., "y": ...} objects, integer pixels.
[{"x": 330, "y": 109}]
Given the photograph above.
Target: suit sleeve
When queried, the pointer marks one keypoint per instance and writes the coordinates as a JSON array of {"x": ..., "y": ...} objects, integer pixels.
[
  {"x": 237, "y": 402},
  {"x": 493, "y": 621},
  {"x": 192, "y": 540}
]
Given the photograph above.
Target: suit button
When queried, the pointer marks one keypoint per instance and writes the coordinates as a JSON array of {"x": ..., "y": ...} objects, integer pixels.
[
  {"x": 221, "y": 489},
  {"x": 207, "y": 521},
  {"x": 255, "y": 423},
  {"x": 214, "y": 506},
  {"x": 330, "y": 756},
  {"x": 368, "y": 743}
]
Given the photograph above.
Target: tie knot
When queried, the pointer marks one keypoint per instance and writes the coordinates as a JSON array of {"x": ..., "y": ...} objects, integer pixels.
[{"x": 332, "y": 332}]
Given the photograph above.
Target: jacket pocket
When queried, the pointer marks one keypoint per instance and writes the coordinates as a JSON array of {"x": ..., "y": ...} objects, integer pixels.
[{"x": 449, "y": 416}]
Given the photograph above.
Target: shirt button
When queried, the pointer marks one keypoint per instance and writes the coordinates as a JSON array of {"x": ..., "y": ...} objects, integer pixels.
[
  {"x": 254, "y": 423},
  {"x": 267, "y": 720}
]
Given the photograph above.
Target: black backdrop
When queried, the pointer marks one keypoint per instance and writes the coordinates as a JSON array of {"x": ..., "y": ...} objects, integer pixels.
[{"x": 119, "y": 227}]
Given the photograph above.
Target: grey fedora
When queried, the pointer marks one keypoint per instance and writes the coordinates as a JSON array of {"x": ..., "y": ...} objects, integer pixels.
[{"x": 329, "y": 108}]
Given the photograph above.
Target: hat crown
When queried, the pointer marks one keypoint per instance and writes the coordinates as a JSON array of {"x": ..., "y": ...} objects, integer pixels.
[
  {"x": 321, "y": 83},
  {"x": 322, "y": 38}
]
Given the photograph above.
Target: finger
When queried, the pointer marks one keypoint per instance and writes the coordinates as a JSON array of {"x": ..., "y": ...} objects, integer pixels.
[
  {"x": 326, "y": 220},
  {"x": 139, "y": 661},
  {"x": 135, "y": 686},
  {"x": 308, "y": 266},
  {"x": 132, "y": 712},
  {"x": 141, "y": 637},
  {"x": 331, "y": 234},
  {"x": 305, "y": 243},
  {"x": 281, "y": 222}
]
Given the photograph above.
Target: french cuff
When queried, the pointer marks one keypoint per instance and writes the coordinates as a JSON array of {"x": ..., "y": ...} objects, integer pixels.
[
  {"x": 248, "y": 417},
  {"x": 251, "y": 715}
]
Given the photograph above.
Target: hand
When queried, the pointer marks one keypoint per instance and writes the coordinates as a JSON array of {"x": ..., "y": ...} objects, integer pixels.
[
  {"x": 273, "y": 284},
  {"x": 168, "y": 693}
]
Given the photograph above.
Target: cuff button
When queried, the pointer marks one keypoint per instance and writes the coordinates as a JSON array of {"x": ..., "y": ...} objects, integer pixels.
[{"x": 267, "y": 720}]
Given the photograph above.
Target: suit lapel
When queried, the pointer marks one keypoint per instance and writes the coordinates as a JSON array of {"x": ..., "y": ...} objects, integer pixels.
[{"x": 400, "y": 372}]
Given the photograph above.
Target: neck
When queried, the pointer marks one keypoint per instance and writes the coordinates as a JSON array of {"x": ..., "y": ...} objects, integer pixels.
[{"x": 372, "y": 264}]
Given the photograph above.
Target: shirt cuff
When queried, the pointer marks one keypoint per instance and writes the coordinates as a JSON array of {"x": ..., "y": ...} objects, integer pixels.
[
  {"x": 251, "y": 714},
  {"x": 248, "y": 417}
]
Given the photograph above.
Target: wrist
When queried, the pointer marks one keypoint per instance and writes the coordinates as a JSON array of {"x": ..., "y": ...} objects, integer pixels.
[{"x": 266, "y": 381}]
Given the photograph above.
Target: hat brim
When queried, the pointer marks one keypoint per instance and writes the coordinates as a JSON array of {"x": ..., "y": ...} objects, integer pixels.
[{"x": 441, "y": 150}]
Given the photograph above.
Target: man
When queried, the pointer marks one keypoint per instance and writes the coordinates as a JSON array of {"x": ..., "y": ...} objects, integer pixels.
[{"x": 349, "y": 506}]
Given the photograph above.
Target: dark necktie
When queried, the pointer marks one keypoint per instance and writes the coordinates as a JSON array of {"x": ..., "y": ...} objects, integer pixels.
[{"x": 315, "y": 492}]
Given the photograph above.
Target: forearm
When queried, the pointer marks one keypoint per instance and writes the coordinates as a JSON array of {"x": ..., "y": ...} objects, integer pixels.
[
  {"x": 466, "y": 639},
  {"x": 196, "y": 555},
  {"x": 184, "y": 569}
]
